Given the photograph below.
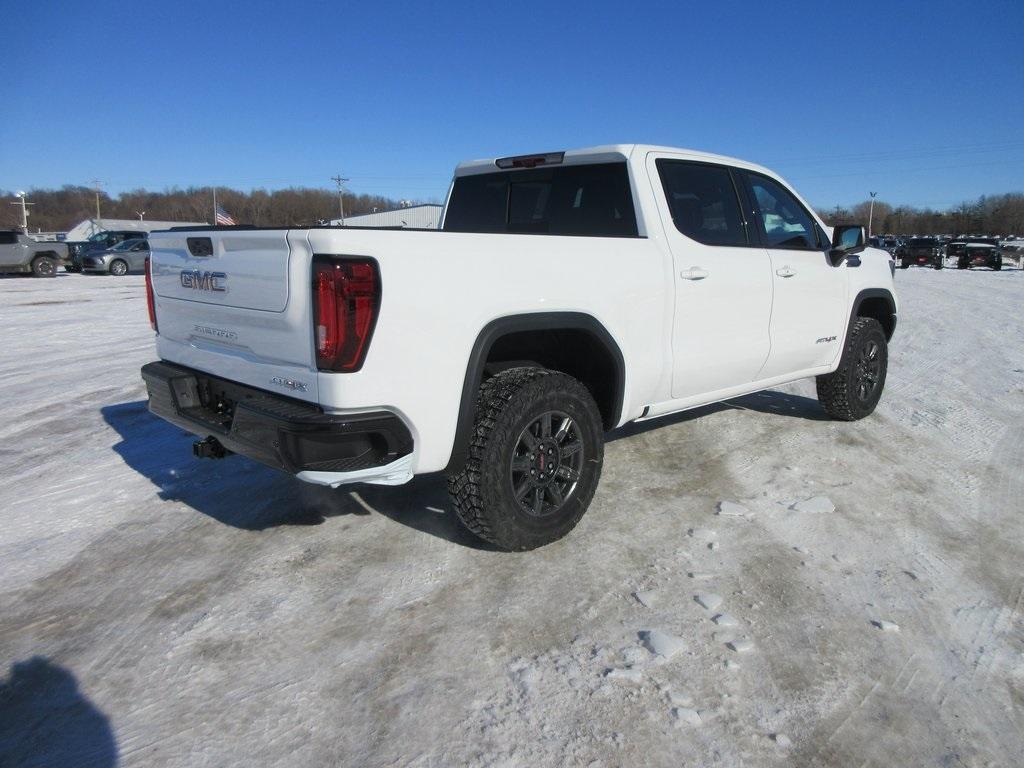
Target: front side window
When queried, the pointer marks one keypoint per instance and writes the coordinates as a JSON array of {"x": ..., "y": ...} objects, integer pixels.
[
  {"x": 592, "y": 200},
  {"x": 8, "y": 238},
  {"x": 703, "y": 203},
  {"x": 785, "y": 223}
]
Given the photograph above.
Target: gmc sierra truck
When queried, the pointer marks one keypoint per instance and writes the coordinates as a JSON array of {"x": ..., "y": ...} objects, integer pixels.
[{"x": 564, "y": 295}]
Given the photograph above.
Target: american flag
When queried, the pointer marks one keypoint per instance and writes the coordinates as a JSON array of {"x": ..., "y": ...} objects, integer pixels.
[{"x": 223, "y": 217}]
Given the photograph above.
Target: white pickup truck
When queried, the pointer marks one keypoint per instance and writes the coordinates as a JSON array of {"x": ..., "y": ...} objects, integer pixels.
[{"x": 564, "y": 295}]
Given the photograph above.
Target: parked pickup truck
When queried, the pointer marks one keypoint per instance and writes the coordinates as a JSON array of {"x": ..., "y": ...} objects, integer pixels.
[
  {"x": 564, "y": 295},
  {"x": 20, "y": 253}
]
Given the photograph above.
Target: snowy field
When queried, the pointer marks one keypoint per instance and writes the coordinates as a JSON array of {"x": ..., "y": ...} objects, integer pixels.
[{"x": 155, "y": 610}]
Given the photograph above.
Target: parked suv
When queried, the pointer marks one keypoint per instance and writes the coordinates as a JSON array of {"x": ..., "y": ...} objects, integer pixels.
[
  {"x": 920, "y": 251},
  {"x": 125, "y": 257},
  {"x": 20, "y": 253},
  {"x": 566, "y": 294}
]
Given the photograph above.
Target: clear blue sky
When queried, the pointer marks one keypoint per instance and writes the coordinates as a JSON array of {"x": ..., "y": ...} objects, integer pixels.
[{"x": 922, "y": 101}]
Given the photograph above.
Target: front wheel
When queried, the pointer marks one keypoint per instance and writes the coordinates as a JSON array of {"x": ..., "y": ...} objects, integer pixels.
[
  {"x": 118, "y": 268},
  {"x": 852, "y": 391},
  {"x": 534, "y": 460}
]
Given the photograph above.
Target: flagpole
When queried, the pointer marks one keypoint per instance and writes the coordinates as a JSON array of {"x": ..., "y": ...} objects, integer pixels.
[{"x": 215, "y": 206}]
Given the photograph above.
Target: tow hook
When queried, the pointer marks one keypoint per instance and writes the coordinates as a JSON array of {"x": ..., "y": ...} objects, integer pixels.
[{"x": 210, "y": 448}]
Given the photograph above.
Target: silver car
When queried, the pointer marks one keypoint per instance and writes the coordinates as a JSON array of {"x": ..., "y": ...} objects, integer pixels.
[{"x": 129, "y": 256}]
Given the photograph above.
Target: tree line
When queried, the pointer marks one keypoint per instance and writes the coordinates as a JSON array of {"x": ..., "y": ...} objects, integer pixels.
[
  {"x": 57, "y": 210},
  {"x": 990, "y": 215}
]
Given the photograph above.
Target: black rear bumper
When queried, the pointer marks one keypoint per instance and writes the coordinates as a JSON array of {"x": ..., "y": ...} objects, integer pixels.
[{"x": 278, "y": 431}]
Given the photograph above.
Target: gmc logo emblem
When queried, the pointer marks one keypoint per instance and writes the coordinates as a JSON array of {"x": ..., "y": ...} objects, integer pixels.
[{"x": 204, "y": 281}]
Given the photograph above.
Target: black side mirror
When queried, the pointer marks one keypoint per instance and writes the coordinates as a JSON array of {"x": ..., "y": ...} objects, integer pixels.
[{"x": 847, "y": 240}]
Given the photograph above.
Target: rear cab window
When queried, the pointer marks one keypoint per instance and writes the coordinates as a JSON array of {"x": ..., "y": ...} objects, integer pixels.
[
  {"x": 703, "y": 202},
  {"x": 591, "y": 200}
]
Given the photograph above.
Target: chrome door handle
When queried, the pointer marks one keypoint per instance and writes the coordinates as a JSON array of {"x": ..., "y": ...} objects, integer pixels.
[
  {"x": 694, "y": 273},
  {"x": 785, "y": 271}
]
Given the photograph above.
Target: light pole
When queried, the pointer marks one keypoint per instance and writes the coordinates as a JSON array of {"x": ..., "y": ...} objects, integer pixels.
[
  {"x": 140, "y": 214},
  {"x": 871, "y": 211},
  {"x": 24, "y": 210}
]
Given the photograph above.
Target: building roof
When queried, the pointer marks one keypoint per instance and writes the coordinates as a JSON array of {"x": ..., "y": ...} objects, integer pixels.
[{"x": 426, "y": 216}]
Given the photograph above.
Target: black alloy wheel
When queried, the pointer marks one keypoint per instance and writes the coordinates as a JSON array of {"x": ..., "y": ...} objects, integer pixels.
[{"x": 547, "y": 464}]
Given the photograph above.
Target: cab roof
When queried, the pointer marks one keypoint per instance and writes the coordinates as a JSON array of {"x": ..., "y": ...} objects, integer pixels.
[{"x": 608, "y": 153}]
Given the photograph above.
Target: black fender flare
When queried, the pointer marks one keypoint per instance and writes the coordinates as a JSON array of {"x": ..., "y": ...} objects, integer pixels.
[
  {"x": 874, "y": 293},
  {"x": 533, "y": 321}
]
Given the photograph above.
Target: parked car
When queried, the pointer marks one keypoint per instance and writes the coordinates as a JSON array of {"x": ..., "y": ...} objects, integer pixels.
[
  {"x": 125, "y": 257},
  {"x": 566, "y": 294},
  {"x": 890, "y": 244},
  {"x": 20, "y": 253},
  {"x": 979, "y": 252},
  {"x": 920, "y": 251},
  {"x": 101, "y": 241}
]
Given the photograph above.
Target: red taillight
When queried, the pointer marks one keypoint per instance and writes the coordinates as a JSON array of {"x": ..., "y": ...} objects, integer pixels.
[
  {"x": 346, "y": 297},
  {"x": 150, "y": 303}
]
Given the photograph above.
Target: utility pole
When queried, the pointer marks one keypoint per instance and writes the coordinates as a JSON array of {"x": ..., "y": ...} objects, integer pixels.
[
  {"x": 340, "y": 181},
  {"x": 871, "y": 211},
  {"x": 24, "y": 211},
  {"x": 214, "y": 206},
  {"x": 96, "y": 187}
]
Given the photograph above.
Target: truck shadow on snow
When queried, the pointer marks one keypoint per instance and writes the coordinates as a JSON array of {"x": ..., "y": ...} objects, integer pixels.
[
  {"x": 246, "y": 495},
  {"x": 45, "y": 719}
]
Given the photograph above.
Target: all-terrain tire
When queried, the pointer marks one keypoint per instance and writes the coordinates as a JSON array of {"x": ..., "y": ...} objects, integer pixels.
[
  {"x": 939, "y": 264},
  {"x": 508, "y": 405},
  {"x": 44, "y": 266},
  {"x": 961, "y": 264},
  {"x": 852, "y": 391},
  {"x": 998, "y": 265}
]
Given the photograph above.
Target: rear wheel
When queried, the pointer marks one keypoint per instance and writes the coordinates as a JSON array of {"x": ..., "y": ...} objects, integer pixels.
[
  {"x": 852, "y": 391},
  {"x": 44, "y": 266},
  {"x": 118, "y": 268},
  {"x": 961, "y": 264},
  {"x": 938, "y": 263},
  {"x": 997, "y": 264},
  {"x": 534, "y": 461}
]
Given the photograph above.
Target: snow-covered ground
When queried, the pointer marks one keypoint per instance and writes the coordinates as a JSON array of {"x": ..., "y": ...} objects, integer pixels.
[{"x": 711, "y": 609}]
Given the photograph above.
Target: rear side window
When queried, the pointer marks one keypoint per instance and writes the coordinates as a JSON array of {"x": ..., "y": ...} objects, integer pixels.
[
  {"x": 703, "y": 202},
  {"x": 785, "y": 223},
  {"x": 583, "y": 200}
]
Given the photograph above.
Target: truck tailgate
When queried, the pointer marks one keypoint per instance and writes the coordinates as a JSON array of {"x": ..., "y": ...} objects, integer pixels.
[{"x": 226, "y": 303}]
